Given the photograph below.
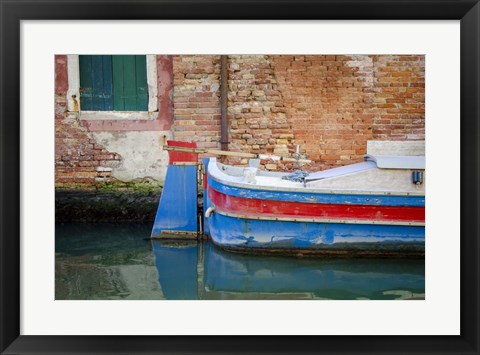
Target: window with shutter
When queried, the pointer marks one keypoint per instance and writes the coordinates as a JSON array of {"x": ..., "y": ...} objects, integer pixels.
[{"x": 113, "y": 83}]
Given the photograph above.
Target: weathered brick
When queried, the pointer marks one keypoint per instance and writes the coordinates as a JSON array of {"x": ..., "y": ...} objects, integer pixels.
[{"x": 331, "y": 105}]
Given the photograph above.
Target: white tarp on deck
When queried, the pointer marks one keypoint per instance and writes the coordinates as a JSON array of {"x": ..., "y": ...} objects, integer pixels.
[
  {"x": 343, "y": 170},
  {"x": 397, "y": 162}
]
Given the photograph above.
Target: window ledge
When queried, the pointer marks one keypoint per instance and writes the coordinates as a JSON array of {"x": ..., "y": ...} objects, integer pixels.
[{"x": 118, "y": 115}]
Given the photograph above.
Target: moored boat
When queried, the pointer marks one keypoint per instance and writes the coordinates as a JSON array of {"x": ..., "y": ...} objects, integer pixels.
[{"x": 372, "y": 208}]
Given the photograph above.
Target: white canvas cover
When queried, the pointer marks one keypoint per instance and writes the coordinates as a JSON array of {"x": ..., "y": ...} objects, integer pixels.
[
  {"x": 343, "y": 170},
  {"x": 397, "y": 161}
]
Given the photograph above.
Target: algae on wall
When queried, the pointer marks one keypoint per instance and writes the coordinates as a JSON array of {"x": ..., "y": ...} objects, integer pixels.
[{"x": 109, "y": 202}]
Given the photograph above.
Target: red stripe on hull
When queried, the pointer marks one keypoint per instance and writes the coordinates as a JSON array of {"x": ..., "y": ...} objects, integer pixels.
[{"x": 254, "y": 207}]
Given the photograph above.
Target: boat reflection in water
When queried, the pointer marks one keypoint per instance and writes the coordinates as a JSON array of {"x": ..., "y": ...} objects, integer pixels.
[
  {"x": 120, "y": 262},
  {"x": 188, "y": 270}
]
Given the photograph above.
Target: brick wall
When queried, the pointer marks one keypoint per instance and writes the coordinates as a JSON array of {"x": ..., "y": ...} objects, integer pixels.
[
  {"x": 336, "y": 103},
  {"x": 196, "y": 98},
  {"x": 399, "y": 105},
  {"x": 331, "y": 105},
  {"x": 257, "y": 114},
  {"x": 78, "y": 158},
  {"x": 328, "y": 101}
]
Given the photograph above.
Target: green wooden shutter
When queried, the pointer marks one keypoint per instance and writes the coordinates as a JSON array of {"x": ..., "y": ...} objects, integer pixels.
[
  {"x": 141, "y": 81},
  {"x": 117, "y": 82},
  {"x": 96, "y": 83},
  {"x": 130, "y": 90}
]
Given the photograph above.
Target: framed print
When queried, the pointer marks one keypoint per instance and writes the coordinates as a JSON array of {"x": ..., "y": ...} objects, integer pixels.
[{"x": 255, "y": 77}]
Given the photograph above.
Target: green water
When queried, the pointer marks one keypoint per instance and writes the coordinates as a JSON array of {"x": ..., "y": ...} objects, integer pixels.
[{"x": 119, "y": 261}]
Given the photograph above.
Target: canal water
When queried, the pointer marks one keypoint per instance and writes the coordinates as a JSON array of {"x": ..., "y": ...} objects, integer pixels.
[{"x": 120, "y": 262}]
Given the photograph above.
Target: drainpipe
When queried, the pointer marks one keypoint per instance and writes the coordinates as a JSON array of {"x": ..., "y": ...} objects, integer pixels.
[{"x": 223, "y": 102}]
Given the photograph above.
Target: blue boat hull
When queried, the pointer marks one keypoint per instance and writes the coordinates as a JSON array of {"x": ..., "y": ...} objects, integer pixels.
[{"x": 310, "y": 238}]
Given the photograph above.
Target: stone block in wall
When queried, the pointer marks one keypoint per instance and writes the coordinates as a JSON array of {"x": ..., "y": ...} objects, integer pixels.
[{"x": 415, "y": 148}]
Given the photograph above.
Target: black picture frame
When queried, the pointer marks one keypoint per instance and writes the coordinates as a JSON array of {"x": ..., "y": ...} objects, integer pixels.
[{"x": 13, "y": 12}]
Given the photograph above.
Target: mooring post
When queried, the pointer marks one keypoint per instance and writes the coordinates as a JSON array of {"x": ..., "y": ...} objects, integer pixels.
[{"x": 177, "y": 213}]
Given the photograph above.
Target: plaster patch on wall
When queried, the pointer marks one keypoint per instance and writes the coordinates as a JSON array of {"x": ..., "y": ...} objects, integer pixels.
[{"x": 142, "y": 153}]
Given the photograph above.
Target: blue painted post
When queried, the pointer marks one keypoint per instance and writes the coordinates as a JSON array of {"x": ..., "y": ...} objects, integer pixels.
[{"x": 177, "y": 210}]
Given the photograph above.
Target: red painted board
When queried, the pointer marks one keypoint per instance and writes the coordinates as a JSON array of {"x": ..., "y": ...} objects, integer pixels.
[
  {"x": 176, "y": 157},
  {"x": 254, "y": 207}
]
